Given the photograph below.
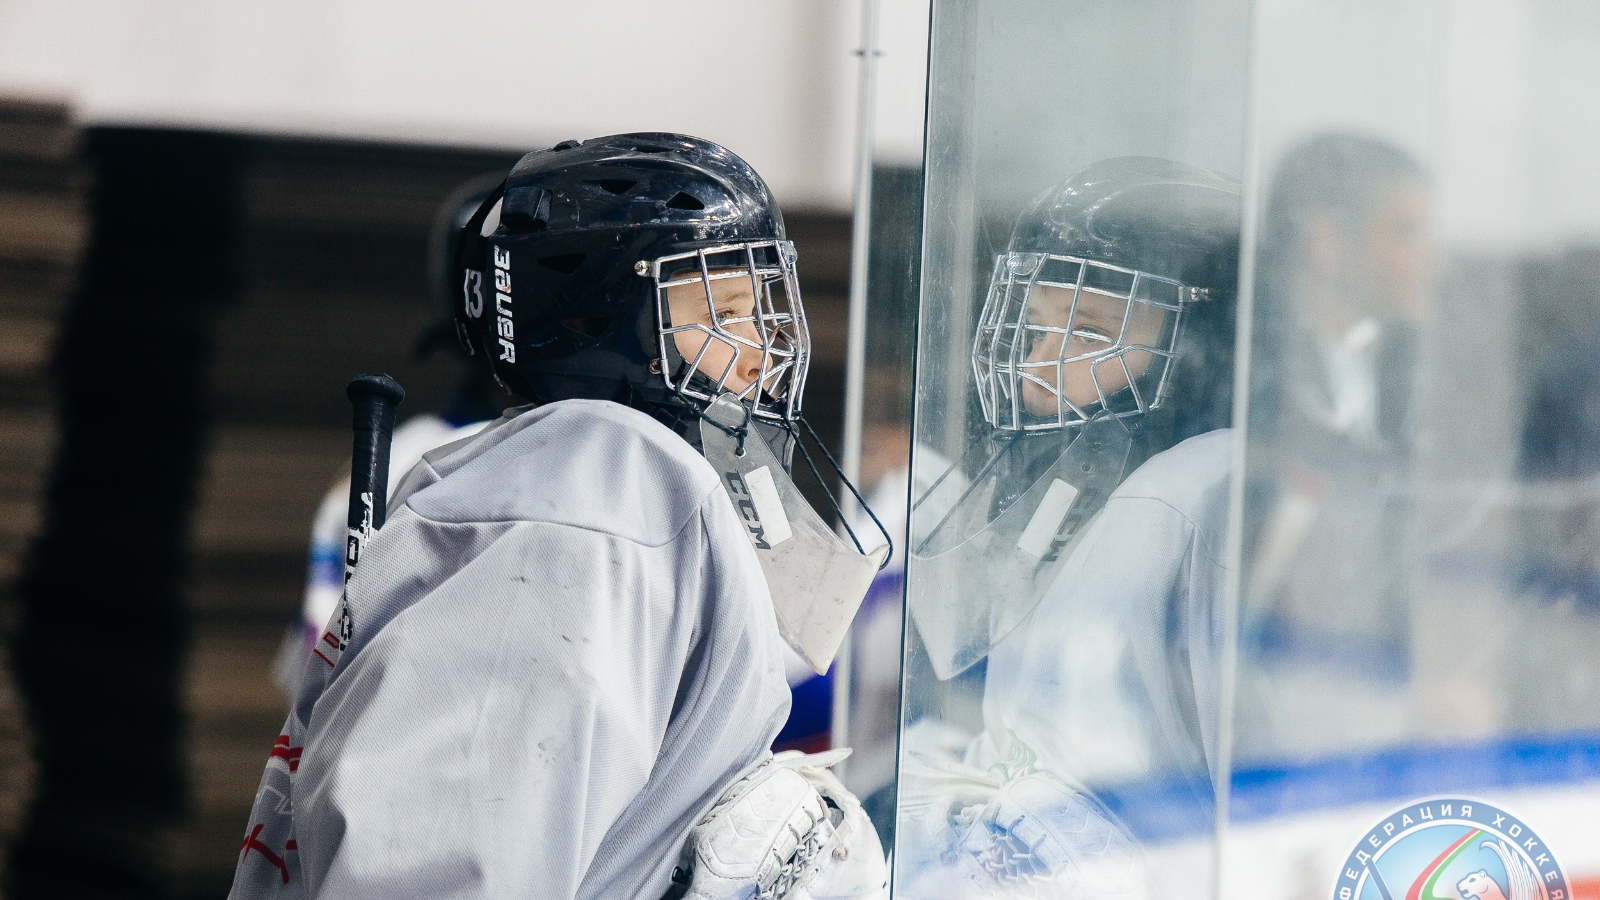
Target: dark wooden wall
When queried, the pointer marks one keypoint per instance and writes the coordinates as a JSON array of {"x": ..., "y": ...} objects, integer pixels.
[
  {"x": 233, "y": 284},
  {"x": 42, "y": 232}
]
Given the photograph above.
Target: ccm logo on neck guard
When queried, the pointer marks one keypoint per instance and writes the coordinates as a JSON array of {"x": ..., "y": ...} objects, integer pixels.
[
  {"x": 502, "y": 305},
  {"x": 742, "y": 501},
  {"x": 756, "y": 497}
]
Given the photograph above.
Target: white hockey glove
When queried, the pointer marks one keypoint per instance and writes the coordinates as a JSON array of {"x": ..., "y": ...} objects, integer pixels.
[{"x": 787, "y": 831}]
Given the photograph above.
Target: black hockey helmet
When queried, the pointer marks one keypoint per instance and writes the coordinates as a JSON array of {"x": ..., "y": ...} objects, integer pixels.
[
  {"x": 1157, "y": 239},
  {"x": 564, "y": 272}
]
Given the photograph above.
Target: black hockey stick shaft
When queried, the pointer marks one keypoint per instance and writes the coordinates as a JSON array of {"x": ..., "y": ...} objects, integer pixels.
[{"x": 373, "y": 399}]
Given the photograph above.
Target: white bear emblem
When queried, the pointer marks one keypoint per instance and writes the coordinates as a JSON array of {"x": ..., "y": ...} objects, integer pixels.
[{"x": 1479, "y": 886}]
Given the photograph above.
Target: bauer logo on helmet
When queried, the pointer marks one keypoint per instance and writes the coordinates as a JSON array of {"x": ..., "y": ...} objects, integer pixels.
[{"x": 502, "y": 305}]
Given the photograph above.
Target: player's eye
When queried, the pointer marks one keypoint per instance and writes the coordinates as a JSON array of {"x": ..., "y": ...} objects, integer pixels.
[{"x": 1091, "y": 336}]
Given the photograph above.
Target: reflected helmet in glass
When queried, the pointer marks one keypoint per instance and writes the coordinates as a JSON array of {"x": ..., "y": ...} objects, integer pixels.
[
  {"x": 564, "y": 271},
  {"x": 1085, "y": 308}
]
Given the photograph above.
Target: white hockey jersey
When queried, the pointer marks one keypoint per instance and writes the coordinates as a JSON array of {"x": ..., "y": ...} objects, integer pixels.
[{"x": 562, "y": 651}]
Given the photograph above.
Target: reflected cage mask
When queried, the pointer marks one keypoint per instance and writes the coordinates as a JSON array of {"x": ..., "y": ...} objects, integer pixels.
[
  {"x": 1078, "y": 340},
  {"x": 1085, "y": 308},
  {"x": 1053, "y": 323}
]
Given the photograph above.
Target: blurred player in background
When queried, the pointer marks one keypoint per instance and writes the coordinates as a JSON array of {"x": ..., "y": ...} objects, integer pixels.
[
  {"x": 1344, "y": 284},
  {"x": 477, "y": 401}
]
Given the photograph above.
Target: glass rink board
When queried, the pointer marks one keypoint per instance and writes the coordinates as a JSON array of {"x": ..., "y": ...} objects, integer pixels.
[{"x": 1254, "y": 533}]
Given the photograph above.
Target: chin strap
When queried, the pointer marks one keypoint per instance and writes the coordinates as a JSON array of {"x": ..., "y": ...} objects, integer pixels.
[
  {"x": 843, "y": 519},
  {"x": 794, "y": 427}
]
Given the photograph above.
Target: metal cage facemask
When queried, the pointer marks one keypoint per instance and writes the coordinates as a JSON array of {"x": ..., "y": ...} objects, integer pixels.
[
  {"x": 752, "y": 312},
  {"x": 1024, "y": 348}
]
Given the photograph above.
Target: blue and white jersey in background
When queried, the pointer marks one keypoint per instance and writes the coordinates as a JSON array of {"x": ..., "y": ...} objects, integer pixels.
[{"x": 325, "y": 572}]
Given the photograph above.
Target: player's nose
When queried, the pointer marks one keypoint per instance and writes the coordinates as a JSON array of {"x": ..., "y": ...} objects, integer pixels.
[{"x": 749, "y": 367}]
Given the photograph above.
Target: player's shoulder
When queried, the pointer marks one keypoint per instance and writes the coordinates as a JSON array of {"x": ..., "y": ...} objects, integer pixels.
[
  {"x": 589, "y": 464},
  {"x": 1191, "y": 477}
]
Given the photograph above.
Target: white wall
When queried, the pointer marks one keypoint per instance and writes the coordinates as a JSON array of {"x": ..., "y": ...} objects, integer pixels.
[
  {"x": 774, "y": 80},
  {"x": 902, "y": 86},
  {"x": 1493, "y": 96}
]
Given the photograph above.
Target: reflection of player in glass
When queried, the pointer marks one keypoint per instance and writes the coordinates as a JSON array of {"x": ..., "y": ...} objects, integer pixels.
[
  {"x": 1087, "y": 329},
  {"x": 1078, "y": 552}
]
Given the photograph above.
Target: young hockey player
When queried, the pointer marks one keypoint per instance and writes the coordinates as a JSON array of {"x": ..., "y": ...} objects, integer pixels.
[
  {"x": 558, "y": 668},
  {"x": 1081, "y": 556}
]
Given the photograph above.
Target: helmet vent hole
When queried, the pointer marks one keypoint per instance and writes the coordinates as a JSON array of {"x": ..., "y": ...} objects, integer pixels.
[
  {"x": 680, "y": 200},
  {"x": 593, "y": 326},
  {"x": 645, "y": 148},
  {"x": 613, "y": 185},
  {"x": 566, "y": 263}
]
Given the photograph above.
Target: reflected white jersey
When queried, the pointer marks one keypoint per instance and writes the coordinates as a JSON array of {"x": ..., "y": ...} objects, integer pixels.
[
  {"x": 562, "y": 651},
  {"x": 1109, "y": 683},
  {"x": 1113, "y": 677}
]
